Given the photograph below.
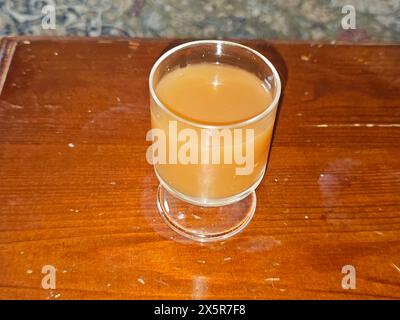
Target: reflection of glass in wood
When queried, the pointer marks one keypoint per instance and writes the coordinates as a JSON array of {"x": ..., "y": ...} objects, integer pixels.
[{"x": 214, "y": 94}]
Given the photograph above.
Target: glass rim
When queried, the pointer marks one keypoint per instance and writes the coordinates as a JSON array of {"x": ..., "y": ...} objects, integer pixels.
[{"x": 255, "y": 118}]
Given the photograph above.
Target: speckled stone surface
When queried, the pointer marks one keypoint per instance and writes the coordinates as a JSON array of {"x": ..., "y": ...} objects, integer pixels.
[{"x": 289, "y": 19}]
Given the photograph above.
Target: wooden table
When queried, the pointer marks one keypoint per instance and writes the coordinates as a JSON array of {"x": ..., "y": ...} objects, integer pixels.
[{"x": 77, "y": 193}]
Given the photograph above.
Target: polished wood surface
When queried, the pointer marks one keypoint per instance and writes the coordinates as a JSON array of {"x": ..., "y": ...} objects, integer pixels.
[{"x": 77, "y": 193}]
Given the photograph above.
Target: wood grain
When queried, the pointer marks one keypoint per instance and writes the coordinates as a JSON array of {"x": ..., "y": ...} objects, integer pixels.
[{"x": 77, "y": 193}]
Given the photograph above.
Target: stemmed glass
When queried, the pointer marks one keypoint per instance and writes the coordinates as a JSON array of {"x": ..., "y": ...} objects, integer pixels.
[{"x": 208, "y": 202}]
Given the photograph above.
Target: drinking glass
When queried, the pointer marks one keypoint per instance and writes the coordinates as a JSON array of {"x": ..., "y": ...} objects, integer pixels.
[{"x": 207, "y": 201}]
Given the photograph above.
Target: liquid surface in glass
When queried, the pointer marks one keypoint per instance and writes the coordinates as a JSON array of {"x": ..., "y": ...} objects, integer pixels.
[{"x": 213, "y": 93}]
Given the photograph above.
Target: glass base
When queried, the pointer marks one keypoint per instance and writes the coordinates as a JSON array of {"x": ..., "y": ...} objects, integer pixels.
[{"x": 205, "y": 224}]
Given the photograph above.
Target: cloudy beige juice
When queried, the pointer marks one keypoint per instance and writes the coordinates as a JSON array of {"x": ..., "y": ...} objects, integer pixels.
[{"x": 218, "y": 97}]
